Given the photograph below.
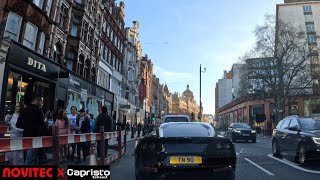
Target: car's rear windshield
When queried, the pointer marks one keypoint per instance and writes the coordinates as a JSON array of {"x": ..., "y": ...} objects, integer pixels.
[
  {"x": 186, "y": 130},
  {"x": 310, "y": 124},
  {"x": 241, "y": 125},
  {"x": 176, "y": 119}
]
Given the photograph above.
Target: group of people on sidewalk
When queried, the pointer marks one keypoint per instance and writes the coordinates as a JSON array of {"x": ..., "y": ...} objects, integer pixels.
[{"x": 29, "y": 121}]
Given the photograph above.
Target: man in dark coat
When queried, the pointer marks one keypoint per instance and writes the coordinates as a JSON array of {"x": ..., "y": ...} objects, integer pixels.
[
  {"x": 31, "y": 120},
  {"x": 106, "y": 121}
]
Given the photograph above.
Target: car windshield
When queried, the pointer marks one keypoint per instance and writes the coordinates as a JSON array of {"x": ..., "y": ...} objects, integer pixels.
[
  {"x": 176, "y": 119},
  {"x": 310, "y": 124},
  {"x": 186, "y": 130},
  {"x": 241, "y": 125}
]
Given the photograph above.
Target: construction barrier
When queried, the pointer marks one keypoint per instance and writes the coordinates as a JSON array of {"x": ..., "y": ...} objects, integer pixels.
[{"x": 56, "y": 140}]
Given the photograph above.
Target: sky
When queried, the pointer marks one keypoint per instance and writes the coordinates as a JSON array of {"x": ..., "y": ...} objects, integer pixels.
[{"x": 179, "y": 35}]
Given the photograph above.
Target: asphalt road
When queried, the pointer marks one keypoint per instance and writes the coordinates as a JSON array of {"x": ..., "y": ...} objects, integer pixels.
[{"x": 254, "y": 161}]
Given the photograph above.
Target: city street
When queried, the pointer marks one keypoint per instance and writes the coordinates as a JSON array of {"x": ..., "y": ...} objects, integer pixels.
[{"x": 254, "y": 162}]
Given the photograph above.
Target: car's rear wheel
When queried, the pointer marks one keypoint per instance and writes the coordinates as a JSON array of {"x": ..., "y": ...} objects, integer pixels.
[
  {"x": 275, "y": 149},
  {"x": 254, "y": 140},
  {"x": 302, "y": 155}
]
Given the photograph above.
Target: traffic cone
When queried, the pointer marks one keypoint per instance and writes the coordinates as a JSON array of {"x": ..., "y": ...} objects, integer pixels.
[{"x": 92, "y": 156}]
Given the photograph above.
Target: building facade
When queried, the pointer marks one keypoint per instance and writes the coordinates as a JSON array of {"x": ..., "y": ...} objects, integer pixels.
[{"x": 185, "y": 104}]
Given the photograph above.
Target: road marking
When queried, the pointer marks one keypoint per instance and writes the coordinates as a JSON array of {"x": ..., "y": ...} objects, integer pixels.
[
  {"x": 241, "y": 150},
  {"x": 238, "y": 154},
  {"x": 261, "y": 168},
  {"x": 293, "y": 165}
]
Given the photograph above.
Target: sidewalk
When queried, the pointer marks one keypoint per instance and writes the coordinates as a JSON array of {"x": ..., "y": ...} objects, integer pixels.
[{"x": 135, "y": 136}]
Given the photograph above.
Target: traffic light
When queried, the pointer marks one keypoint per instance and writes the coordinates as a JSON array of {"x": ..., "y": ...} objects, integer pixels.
[{"x": 153, "y": 117}]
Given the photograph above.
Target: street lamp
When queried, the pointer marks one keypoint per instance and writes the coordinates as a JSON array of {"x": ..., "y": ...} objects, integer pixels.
[{"x": 200, "y": 113}]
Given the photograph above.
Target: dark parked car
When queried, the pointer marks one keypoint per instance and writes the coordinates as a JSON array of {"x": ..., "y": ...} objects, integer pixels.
[
  {"x": 241, "y": 131},
  {"x": 297, "y": 136},
  {"x": 184, "y": 149}
]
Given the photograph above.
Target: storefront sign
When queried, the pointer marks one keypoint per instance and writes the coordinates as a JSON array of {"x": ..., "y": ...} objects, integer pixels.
[
  {"x": 31, "y": 61},
  {"x": 36, "y": 64}
]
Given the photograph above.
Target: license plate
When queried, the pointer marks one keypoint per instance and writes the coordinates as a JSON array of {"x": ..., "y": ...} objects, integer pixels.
[
  {"x": 245, "y": 134},
  {"x": 185, "y": 160}
]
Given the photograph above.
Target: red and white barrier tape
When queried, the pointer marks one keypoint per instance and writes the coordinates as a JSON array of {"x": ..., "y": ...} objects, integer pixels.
[
  {"x": 4, "y": 129},
  {"x": 25, "y": 143}
]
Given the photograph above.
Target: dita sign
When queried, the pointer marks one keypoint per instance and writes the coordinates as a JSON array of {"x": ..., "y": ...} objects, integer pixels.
[
  {"x": 31, "y": 61},
  {"x": 36, "y": 64}
]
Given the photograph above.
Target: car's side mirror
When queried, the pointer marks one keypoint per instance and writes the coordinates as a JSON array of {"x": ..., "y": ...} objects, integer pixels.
[{"x": 294, "y": 128}]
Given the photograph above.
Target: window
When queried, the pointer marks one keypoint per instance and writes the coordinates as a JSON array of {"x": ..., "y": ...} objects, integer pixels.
[
  {"x": 74, "y": 29},
  {"x": 104, "y": 26},
  {"x": 39, "y": 3},
  {"x": 13, "y": 26},
  {"x": 116, "y": 64},
  {"x": 90, "y": 37},
  {"x": 307, "y": 9},
  {"x": 84, "y": 32},
  {"x": 185, "y": 129},
  {"x": 63, "y": 17},
  {"x": 312, "y": 39},
  {"x": 74, "y": 25},
  {"x": 48, "y": 7},
  {"x": 102, "y": 52},
  {"x": 310, "y": 28},
  {"x": 285, "y": 124},
  {"x": 70, "y": 60},
  {"x": 111, "y": 35},
  {"x": 294, "y": 123},
  {"x": 108, "y": 30},
  {"x": 30, "y": 36},
  {"x": 41, "y": 43},
  {"x": 109, "y": 57},
  {"x": 308, "y": 18},
  {"x": 105, "y": 51},
  {"x": 80, "y": 65},
  {"x": 79, "y": 1},
  {"x": 57, "y": 52}
]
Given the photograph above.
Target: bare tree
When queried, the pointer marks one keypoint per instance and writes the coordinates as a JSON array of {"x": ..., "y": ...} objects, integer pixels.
[{"x": 279, "y": 64}]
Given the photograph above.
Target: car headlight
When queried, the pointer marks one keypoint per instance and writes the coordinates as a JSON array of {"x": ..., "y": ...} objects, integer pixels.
[
  {"x": 237, "y": 131},
  {"x": 316, "y": 140},
  {"x": 253, "y": 131}
]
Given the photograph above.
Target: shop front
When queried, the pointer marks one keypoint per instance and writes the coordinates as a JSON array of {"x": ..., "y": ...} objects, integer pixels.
[
  {"x": 27, "y": 73},
  {"x": 83, "y": 94}
]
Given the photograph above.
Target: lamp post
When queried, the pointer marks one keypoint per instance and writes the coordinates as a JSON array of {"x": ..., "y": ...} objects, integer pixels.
[{"x": 200, "y": 113}]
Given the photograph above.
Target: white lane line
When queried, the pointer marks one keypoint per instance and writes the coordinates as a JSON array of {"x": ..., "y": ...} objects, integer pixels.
[
  {"x": 241, "y": 150},
  {"x": 238, "y": 154},
  {"x": 261, "y": 168},
  {"x": 293, "y": 165}
]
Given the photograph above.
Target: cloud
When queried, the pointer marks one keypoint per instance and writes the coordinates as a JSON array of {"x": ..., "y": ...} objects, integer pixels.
[{"x": 172, "y": 76}]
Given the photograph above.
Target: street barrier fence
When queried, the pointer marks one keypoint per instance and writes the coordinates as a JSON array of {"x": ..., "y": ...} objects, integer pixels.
[{"x": 56, "y": 140}]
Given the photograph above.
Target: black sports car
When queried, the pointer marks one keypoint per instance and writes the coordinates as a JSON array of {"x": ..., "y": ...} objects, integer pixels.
[{"x": 184, "y": 149}]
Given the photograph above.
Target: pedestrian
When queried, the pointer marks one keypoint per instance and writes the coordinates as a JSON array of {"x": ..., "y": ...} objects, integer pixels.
[
  {"x": 32, "y": 121},
  {"x": 80, "y": 145},
  {"x": 85, "y": 128},
  {"x": 62, "y": 123},
  {"x": 49, "y": 121},
  {"x": 118, "y": 124},
  {"x": 15, "y": 157},
  {"x": 139, "y": 129},
  {"x": 128, "y": 126},
  {"x": 91, "y": 123},
  {"x": 73, "y": 128},
  {"x": 106, "y": 121}
]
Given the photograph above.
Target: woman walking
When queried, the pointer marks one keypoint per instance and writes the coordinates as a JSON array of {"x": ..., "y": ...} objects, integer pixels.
[
  {"x": 63, "y": 127},
  {"x": 15, "y": 157}
]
